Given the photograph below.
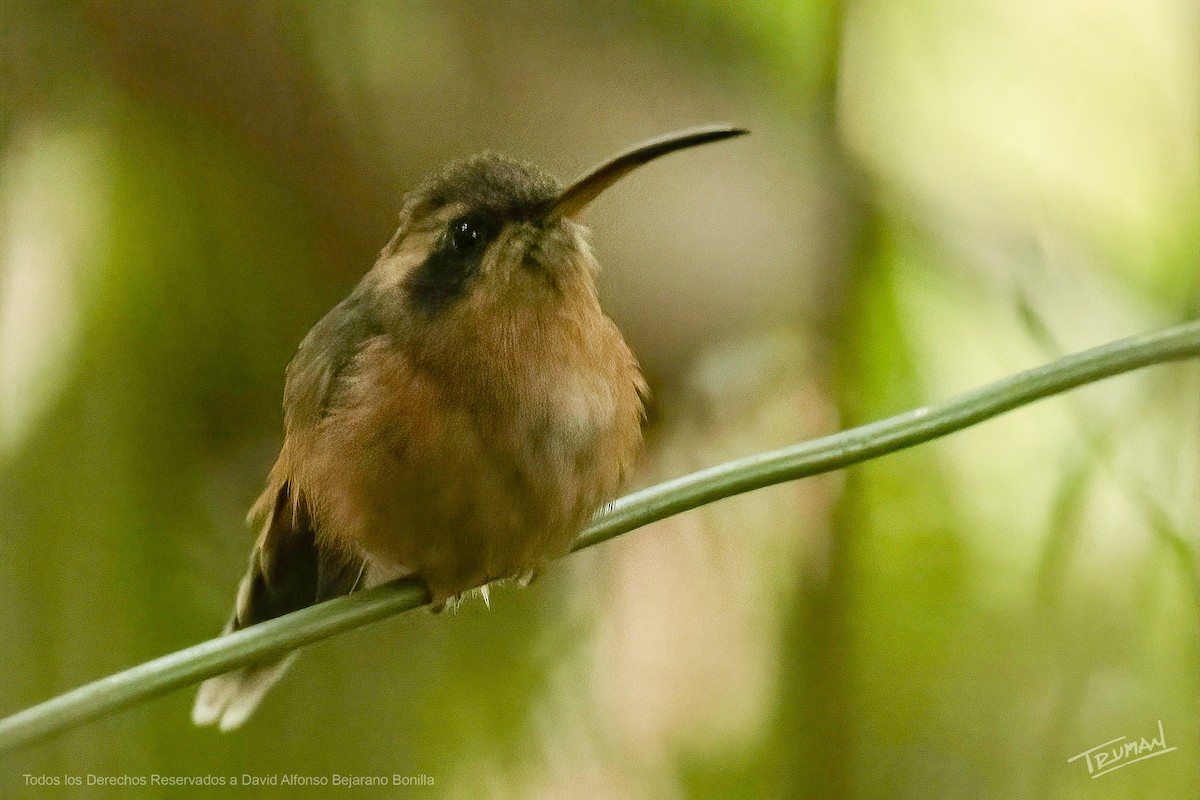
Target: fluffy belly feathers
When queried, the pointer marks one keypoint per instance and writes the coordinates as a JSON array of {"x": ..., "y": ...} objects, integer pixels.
[{"x": 476, "y": 492}]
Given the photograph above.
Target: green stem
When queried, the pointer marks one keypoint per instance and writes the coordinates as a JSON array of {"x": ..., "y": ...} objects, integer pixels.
[{"x": 278, "y": 636}]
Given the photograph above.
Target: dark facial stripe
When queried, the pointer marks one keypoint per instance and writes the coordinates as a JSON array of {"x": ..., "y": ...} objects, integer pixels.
[{"x": 450, "y": 269}]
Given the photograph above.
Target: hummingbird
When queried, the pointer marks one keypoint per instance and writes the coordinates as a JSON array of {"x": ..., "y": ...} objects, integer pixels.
[{"x": 460, "y": 416}]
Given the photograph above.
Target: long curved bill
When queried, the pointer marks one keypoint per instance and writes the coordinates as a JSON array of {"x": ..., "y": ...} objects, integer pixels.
[{"x": 587, "y": 188}]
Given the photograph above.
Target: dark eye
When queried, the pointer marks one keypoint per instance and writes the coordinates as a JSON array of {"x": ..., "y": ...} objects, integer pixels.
[
  {"x": 466, "y": 234},
  {"x": 452, "y": 265}
]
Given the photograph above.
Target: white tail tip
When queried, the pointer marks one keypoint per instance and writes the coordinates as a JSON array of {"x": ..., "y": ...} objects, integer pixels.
[{"x": 228, "y": 700}]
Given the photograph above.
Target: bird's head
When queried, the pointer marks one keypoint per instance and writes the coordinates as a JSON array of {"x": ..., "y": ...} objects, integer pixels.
[{"x": 490, "y": 252}]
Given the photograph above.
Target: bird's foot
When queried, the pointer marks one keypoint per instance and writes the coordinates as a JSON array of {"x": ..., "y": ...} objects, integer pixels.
[{"x": 454, "y": 601}]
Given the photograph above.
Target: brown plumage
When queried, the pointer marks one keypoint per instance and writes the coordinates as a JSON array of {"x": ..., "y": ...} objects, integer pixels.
[{"x": 459, "y": 416}]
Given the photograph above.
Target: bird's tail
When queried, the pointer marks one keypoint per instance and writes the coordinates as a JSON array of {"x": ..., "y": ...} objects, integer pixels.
[{"x": 289, "y": 570}]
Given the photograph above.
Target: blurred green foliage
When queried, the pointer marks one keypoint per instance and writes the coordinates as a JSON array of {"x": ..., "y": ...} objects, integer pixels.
[{"x": 935, "y": 195}]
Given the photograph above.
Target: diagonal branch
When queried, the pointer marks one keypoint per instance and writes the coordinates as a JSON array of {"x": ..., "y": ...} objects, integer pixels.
[{"x": 278, "y": 636}]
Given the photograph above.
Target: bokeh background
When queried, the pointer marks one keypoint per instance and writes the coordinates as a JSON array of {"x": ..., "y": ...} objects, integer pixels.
[{"x": 935, "y": 195}]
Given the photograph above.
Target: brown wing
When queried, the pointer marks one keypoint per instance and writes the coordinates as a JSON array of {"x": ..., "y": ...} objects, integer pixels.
[{"x": 291, "y": 567}]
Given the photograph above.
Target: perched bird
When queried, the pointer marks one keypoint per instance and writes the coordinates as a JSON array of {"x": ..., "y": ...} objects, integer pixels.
[{"x": 458, "y": 417}]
